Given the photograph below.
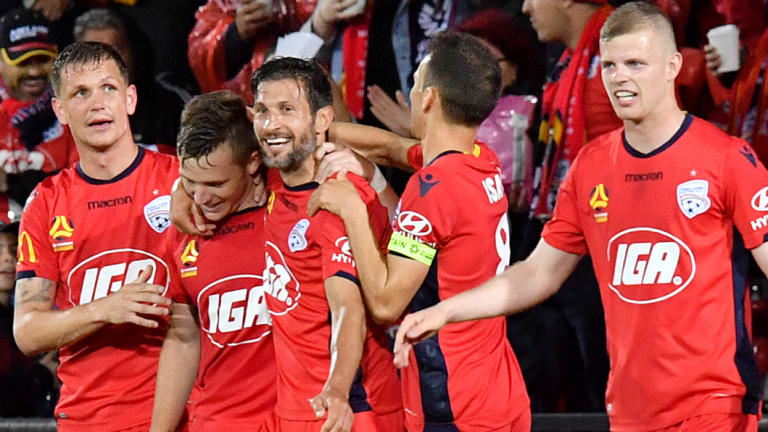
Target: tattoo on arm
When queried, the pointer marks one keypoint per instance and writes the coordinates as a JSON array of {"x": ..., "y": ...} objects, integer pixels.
[{"x": 37, "y": 290}]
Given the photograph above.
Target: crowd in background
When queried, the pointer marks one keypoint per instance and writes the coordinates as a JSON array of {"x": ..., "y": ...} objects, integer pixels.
[{"x": 553, "y": 103}]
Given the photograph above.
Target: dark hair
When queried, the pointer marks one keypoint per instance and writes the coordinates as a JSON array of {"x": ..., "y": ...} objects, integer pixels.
[
  {"x": 211, "y": 119},
  {"x": 635, "y": 16},
  {"x": 515, "y": 42},
  {"x": 466, "y": 75},
  {"x": 85, "y": 53},
  {"x": 99, "y": 19},
  {"x": 307, "y": 72}
]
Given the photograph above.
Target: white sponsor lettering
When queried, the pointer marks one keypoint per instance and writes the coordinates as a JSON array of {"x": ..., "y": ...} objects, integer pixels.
[
  {"x": 493, "y": 188},
  {"x": 649, "y": 271},
  {"x": 760, "y": 200},
  {"x": 234, "y": 310},
  {"x": 759, "y": 223},
  {"x": 414, "y": 223}
]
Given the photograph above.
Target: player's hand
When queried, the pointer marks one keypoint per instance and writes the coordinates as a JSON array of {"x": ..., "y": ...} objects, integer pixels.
[
  {"x": 334, "y": 158},
  {"x": 334, "y": 195},
  {"x": 51, "y": 9},
  {"x": 415, "y": 328},
  {"x": 251, "y": 16},
  {"x": 335, "y": 404},
  {"x": 713, "y": 59},
  {"x": 396, "y": 116},
  {"x": 133, "y": 300},
  {"x": 186, "y": 215}
]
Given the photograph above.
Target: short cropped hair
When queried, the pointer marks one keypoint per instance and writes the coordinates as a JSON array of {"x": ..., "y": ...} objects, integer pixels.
[
  {"x": 99, "y": 19},
  {"x": 211, "y": 119},
  {"x": 85, "y": 53},
  {"x": 637, "y": 16},
  {"x": 308, "y": 73},
  {"x": 466, "y": 75}
]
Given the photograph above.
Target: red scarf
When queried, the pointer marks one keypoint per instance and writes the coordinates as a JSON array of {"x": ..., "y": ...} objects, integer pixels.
[
  {"x": 743, "y": 92},
  {"x": 562, "y": 131},
  {"x": 355, "y": 53}
]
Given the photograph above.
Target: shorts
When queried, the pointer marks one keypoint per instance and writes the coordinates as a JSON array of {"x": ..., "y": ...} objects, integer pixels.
[
  {"x": 262, "y": 423},
  {"x": 716, "y": 422},
  {"x": 366, "y": 421}
]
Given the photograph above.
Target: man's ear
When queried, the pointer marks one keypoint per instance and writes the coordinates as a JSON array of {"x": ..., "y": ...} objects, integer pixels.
[
  {"x": 249, "y": 113},
  {"x": 323, "y": 119},
  {"x": 430, "y": 100},
  {"x": 58, "y": 111},
  {"x": 254, "y": 162},
  {"x": 131, "y": 99},
  {"x": 674, "y": 64}
]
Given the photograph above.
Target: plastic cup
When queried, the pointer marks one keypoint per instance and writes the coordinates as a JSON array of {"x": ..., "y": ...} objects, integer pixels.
[{"x": 725, "y": 39}]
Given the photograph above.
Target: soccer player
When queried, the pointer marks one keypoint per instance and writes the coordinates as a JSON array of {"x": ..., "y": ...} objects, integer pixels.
[
  {"x": 90, "y": 275},
  {"x": 319, "y": 321},
  {"x": 655, "y": 204},
  {"x": 220, "y": 328},
  {"x": 451, "y": 233}
]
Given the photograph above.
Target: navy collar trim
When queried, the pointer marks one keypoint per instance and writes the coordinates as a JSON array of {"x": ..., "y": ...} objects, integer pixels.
[
  {"x": 633, "y": 152},
  {"x": 302, "y": 187},
  {"x": 135, "y": 164}
]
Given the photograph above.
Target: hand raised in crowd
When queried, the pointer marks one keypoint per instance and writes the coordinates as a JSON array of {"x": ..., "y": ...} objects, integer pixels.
[
  {"x": 334, "y": 158},
  {"x": 415, "y": 328},
  {"x": 333, "y": 195},
  {"x": 336, "y": 405},
  {"x": 251, "y": 17},
  {"x": 712, "y": 57},
  {"x": 51, "y": 9},
  {"x": 329, "y": 12},
  {"x": 517, "y": 197},
  {"x": 133, "y": 300},
  {"x": 396, "y": 116}
]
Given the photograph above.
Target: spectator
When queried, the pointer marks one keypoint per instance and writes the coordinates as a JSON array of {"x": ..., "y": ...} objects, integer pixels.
[
  {"x": 232, "y": 37},
  {"x": 33, "y": 142},
  {"x": 155, "y": 121}
]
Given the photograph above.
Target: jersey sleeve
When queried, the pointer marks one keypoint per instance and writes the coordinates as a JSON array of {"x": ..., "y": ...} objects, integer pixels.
[
  {"x": 424, "y": 221},
  {"x": 35, "y": 250},
  {"x": 336, "y": 253},
  {"x": 416, "y": 157},
  {"x": 564, "y": 231},
  {"x": 746, "y": 194},
  {"x": 178, "y": 250}
]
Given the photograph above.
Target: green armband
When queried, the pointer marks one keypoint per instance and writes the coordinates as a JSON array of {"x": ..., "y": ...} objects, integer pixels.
[{"x": 411, "y": 248}]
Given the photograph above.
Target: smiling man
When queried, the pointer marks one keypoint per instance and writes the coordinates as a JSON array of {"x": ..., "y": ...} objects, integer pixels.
[
  {"x": 667, "y": 207},
  {"x": 91, "y": 276}
]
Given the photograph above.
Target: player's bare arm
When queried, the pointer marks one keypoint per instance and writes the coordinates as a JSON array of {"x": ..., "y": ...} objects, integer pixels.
[
  {"x": 347, "y": 337},
  {"x": 760, "y": 254},
  {"x": 377, "y": 145},
  {"x": 520, "y": 287},
  {"x": 388, "y": 283},
  {"x": 177, "y": 369},
  {"x": 336, "y": 158},
  {"x": 38, "y": 328}
]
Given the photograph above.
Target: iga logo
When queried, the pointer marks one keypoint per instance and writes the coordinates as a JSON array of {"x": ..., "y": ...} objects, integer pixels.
[
  {"x": 107, "y": 272},
  {"x": 760, "y": 200},
  {"x": 649, "y": 265},
  {"x": 414, "y": 223},
  {"x": 279, "y": 282},
  {"x": 233, "y": 310}
]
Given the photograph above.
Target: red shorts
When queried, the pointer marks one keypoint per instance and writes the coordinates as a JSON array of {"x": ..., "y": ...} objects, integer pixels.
[
  {"x": 64, "y": 427},
  {"x": 262, "y": 423},
  {"x": 718, "y": 422},
  {"x": 366, "y": 421}
]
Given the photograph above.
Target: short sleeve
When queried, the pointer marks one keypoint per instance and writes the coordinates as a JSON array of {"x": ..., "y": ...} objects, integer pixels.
[
  {"x": 564, "y": 231},
  {"x": 181, "y": 255},
  {"x": 746, "y": 190},
  {"x": 35, "y": 249},
  {"x": 336, "y": 253}
]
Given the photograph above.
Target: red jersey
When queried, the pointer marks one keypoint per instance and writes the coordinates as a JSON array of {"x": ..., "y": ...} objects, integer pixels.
[
  {"x": 466, "y": 375},
  {"x": 301, "y": 253},
  {"x": 671, "y": 267},
  {"x": 90, "y": 237},
  {"x": 221, "y": 276},
  {"x": 57, "y": 150}
]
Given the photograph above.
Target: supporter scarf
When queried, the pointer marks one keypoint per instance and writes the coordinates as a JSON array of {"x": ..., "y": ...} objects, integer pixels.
[
  {"x": 562, "y": 131},
  {"x": 744, "y": 91},
  {"x": 31, "y": 120},
  {"x": 355, "y": 53}
]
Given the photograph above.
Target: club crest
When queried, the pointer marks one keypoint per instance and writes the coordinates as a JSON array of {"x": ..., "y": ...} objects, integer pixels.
[{"x": 692, "y": 197}]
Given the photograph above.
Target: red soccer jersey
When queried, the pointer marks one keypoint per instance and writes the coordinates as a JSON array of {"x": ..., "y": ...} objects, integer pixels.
[
  {"x": 301, "y": 253},
  {"x": 221, "y": 276},
  {"x": 453, "y": 217},
  {"x": 90, "y": 236},
  {"x": 660, "y": 230}
]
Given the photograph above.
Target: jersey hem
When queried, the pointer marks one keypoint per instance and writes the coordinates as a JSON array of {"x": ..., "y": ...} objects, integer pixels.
[{"x": 718, "y": 406}]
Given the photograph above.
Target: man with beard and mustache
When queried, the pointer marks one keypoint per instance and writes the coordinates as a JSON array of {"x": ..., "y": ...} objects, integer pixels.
[
  {"x": 32, "y": 141},
  {"x": 329, "y": 359}
]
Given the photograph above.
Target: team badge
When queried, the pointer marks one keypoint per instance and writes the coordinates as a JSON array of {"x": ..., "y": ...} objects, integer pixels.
[
  {"x": 158, "y": 213},
  {"x": 297, "y": 239},
  {"x": 599, "y": 202},
  {"x": 692, "y": 197},
  {"x": 189, "y": 259},
  {"x": 61, "y": 231}
]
